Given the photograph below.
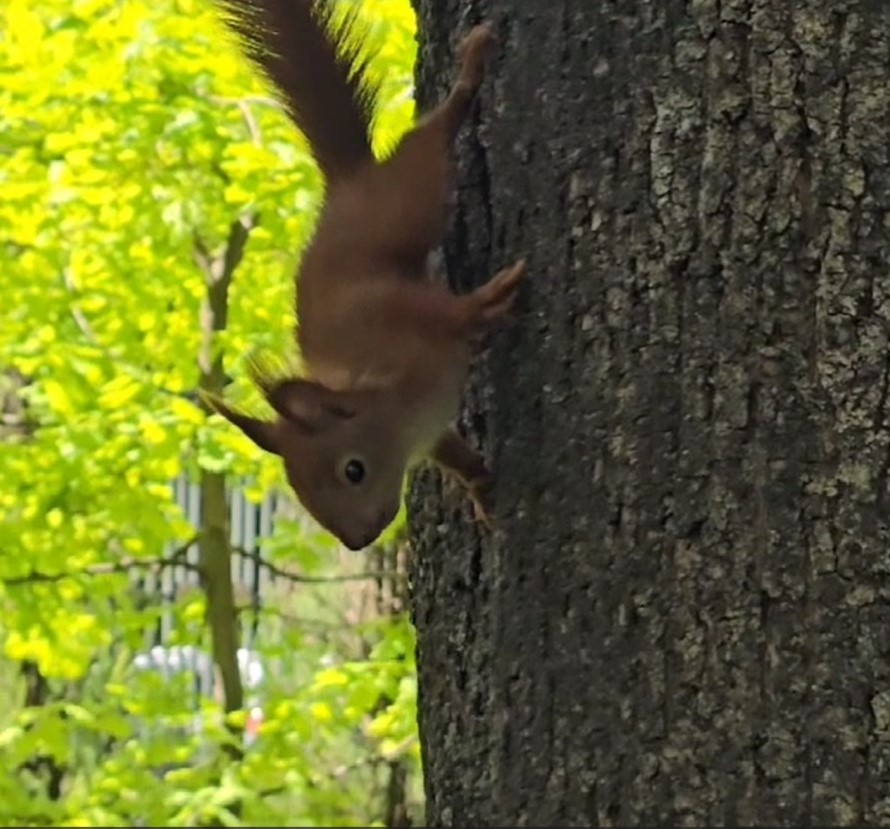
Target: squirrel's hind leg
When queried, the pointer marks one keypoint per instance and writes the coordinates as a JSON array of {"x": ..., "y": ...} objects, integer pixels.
[
  {"x": 416, "y": 180},
  {"x": 448, "y": 116},
  {"x": 454, "y": 454}
]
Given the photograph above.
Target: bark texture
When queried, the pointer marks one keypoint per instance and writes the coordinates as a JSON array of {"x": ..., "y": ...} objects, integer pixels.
[{"x": 683, "y": 618}]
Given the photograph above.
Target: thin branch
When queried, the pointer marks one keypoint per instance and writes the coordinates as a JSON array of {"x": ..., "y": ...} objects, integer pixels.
[
  {"x": 252, "y": 127},
  {"x": 124, "y": 565},
  {"x": 218, "y": 272},
  {"x": 243, "y": 105},
  {"x": 82, "y": 322},
  {"x": 222, "y": 268},
  {"x": 323, "y": 626},
  {"x": 297, "y": 578},
  {"x": 248, "y": 99}
]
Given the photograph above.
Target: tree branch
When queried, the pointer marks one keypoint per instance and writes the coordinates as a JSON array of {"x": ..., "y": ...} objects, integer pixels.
[
  {"x": 297, "y": 578},
  {"x": 82, "y": 322},
  {"x": 218, "y": 271},
  {"x": 124, "y": 565},
  {"x": 214, "y": 546}
]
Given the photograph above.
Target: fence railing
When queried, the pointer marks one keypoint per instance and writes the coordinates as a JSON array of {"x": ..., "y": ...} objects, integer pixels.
[{"x": 249, "y": 523}]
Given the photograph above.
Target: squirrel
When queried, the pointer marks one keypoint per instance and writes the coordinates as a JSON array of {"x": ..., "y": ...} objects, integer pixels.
[{"x": 385, "y": 349}]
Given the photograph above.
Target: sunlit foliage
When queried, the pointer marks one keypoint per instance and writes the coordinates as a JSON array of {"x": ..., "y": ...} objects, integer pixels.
[{"x": 130, "y": 129}]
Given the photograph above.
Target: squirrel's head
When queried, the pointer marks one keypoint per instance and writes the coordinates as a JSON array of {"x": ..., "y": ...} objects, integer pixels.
[{"x": 341, "y": 452}]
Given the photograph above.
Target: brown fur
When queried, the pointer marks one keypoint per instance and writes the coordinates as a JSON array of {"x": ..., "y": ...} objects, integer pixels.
[{"x": 386, "y": 351}]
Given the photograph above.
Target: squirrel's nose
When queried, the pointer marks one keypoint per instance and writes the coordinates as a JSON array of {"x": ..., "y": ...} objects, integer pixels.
[
  {"x": 374, "y": 527},
  {"x": 386, "y": 517},
  {"x": 355, "y": 543},
  {"x": 381, "y": 521}
]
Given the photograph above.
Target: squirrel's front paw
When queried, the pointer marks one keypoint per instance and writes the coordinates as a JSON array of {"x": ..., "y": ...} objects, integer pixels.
[
  {"x": 481, "y": 493},
  {"x": 496, "y": 297}
]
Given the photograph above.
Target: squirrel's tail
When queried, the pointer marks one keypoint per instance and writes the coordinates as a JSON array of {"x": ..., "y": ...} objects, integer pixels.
[{"x": 320, "y": 70}]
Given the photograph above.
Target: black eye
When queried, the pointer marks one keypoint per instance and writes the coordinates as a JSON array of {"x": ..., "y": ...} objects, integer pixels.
[{"x": 354, "y": 471}]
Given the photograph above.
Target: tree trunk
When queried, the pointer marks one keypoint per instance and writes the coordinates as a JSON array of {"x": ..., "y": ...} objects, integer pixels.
[
  {"x": 214, "y": 543},
  {"x": 682, "y": 618}
]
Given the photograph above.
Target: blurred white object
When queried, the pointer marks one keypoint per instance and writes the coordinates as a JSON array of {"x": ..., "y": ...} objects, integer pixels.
[{"x": 180, "y": 659}]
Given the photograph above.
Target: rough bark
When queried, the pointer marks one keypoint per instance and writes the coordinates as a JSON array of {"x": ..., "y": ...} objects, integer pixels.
[{"x": 683, "y": 617}]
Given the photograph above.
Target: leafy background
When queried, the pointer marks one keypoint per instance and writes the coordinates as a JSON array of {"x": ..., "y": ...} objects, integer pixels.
[{"x": 130, "y": 130}]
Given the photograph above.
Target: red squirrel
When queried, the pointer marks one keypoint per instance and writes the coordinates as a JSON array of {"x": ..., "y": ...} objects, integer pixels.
[{"x": 385, "y": 349}]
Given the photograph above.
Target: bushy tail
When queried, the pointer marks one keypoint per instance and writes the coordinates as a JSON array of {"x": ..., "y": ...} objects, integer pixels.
[{"x": 319, "y": 69}]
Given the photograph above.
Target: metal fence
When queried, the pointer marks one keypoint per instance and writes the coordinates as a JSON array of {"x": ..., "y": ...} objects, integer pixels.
[{"x": 249, "y": 523}]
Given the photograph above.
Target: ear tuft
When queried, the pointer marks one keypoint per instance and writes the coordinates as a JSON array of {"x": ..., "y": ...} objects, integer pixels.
[
  {"x": 263, "y": 433},
  {"x": 267, "y": 371}
]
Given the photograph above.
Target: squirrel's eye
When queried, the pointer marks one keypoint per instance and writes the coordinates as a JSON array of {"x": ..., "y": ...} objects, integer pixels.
[{"x": 354, "y": 470}]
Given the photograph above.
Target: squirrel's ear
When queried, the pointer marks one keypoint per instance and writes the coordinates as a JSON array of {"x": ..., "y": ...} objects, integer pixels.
[
  {"x": 308, "y": 404},
  {"x": 261, "y": 432}
]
